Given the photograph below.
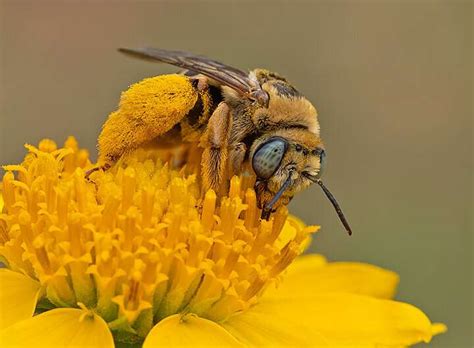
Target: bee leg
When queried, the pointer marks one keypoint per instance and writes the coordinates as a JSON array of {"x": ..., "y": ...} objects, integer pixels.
[
  {"x": 237, "y": 157},
  {"x": 95, "y": 169},
  {"x": 266, "y": 214},
  {"x": 215, "y": 142},
  {"x": 89, "y": 172}
]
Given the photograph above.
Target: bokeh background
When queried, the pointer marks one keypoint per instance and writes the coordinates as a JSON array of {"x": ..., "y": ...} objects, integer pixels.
[{"x": 392, "y": 81}]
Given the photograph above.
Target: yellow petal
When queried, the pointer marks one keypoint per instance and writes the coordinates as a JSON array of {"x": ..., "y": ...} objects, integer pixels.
[
  {"x": 189, "y": 330},
  {"x": 307, "y": 263},
  {"x": 65, "y": 327},
  {"x": 265, "y": 325},
  {"x": 342, "y": 319},
  {"x": 438, "y": 328},
  {"x": 311, "y": 275},
  {"x": 18, "y": 296},
  {"x": 1, "y": 202}
]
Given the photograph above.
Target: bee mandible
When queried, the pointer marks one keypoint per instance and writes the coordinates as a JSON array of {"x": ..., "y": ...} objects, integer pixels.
[{"x": 254, "y": 120}]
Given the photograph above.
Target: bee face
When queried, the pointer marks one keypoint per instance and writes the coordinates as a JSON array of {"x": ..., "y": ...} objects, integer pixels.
[{"x": 287, "y": 158}]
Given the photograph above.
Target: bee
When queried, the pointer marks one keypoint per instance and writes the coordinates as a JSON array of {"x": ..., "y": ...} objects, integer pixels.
[{"x": 255, "y": 120}]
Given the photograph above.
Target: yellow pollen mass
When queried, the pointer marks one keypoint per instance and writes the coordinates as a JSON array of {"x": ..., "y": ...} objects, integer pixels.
[{"x": 140, "y": 241}]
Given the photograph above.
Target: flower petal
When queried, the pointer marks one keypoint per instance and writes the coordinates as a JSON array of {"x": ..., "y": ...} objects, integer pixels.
[
  {"x": 64, "y": 327},
  {"x": 306, "y": 263},
  {"x": 189, "y": 330},
  {"x": 265, "y": 325},
  {"x": 341, "y": 318},
  {"x": 438, "y": 328},
  {"x": 18, "y": 296},
  {"x": 311, "y": 275}
]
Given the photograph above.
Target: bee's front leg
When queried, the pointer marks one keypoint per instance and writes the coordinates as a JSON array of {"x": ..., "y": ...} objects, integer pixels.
[{"x": 215, "y": 155}]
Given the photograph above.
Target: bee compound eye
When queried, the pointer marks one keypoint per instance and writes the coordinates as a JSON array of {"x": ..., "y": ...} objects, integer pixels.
[{"x": 268, "y": 157}]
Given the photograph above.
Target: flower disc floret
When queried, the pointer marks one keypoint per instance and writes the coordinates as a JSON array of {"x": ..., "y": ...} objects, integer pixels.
[{"x": 140, "y": 241}]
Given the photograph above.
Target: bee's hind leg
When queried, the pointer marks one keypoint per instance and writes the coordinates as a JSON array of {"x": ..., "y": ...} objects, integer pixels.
[{"x": 88, "y": 173}]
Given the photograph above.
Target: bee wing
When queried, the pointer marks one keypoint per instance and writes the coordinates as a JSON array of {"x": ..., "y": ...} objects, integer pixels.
[{"x": 229, "y": 76}]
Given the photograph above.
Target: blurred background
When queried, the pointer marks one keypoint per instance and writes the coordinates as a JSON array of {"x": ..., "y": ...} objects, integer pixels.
[{"x": 392, "y": 81}]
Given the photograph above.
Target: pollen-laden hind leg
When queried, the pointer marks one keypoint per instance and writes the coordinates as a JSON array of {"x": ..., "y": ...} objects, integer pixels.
[{"x": 147, "y": 110}]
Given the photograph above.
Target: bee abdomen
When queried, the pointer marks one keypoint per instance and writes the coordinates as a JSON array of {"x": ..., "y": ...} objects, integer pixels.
[
  {"x": 197, "y": 118},
  {"x": 147, "y": 110}
]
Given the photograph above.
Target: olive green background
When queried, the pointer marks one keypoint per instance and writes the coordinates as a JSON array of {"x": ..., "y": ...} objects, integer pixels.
[{"x": 392, "y": 82}]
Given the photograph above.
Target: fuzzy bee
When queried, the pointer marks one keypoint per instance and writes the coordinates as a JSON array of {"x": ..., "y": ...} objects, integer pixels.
[{"x": 255, "y": 120}]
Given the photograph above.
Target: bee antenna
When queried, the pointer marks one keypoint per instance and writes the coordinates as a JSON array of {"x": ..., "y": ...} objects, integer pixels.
[{"x": 336, "y": 206}]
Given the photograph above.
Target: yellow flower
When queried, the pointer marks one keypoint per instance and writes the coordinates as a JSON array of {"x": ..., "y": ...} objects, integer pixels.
[{"x": 135, "y": 255}]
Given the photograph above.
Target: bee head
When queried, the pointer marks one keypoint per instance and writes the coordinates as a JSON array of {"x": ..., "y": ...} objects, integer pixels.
[
  {"x": 285, "y": 155},
  {"x": 285, "y": 162}
]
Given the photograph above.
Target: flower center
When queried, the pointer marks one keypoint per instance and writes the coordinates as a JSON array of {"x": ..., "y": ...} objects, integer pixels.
[{"x": 140, "y": 241}]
